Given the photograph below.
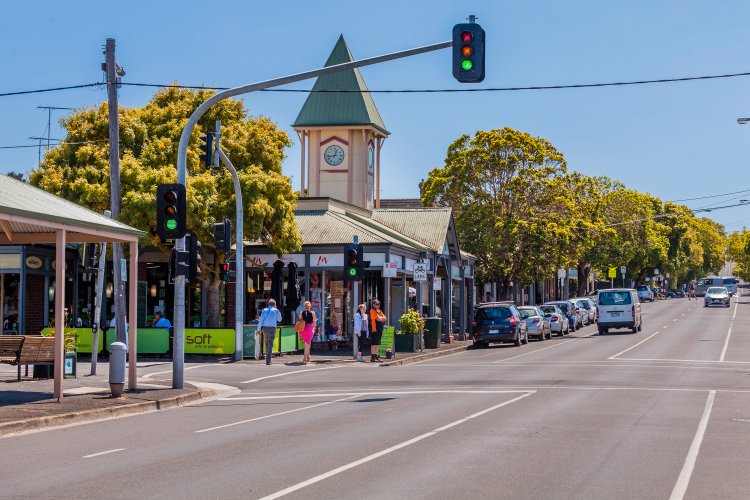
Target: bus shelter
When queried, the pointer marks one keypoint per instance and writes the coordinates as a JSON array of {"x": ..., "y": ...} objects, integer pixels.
[{"x": 29, "y": 215}]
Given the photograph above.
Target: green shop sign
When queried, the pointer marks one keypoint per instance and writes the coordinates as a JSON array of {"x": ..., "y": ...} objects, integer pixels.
[{"x": 209, "y": 341}]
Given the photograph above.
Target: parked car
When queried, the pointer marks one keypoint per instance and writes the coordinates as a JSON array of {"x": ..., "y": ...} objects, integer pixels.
[
  {"x": 619, "y": 308},
  {"x": 499, "y": 322},
  {"x": 569, "y": 311},
  {"x": 537, "y": 325},
  {"x": 582, "y": 316},
  {"x": 558, "y": 321},
  {"x": 716, "y": 296},
  {"x": 645, "y": 293},
  {"x": 589, "y": 309}
]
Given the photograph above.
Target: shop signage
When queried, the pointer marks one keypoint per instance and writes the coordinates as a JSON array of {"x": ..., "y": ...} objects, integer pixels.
[
  {"x": 437, "y": 284},
  {"x": 326, "y": 260},
  {"x": 263, "y": 261},
  {"x": 207, "y": 341},
  {"x": 389, "y": 269},
  {"x": 420, "y": 271},
  {"x": 34, "y": 262}
]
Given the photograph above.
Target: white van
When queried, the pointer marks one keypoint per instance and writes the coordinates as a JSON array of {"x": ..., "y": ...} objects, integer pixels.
[
  {"x": 705, "y": 283},
  {"x": 619, "y": 308},
  {"x": 730, "y": 284}
]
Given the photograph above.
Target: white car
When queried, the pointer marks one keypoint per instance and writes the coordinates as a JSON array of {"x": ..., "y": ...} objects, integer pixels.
[
  {"x": 619, "y": 308},
  {"x": 716, "y": 296}
]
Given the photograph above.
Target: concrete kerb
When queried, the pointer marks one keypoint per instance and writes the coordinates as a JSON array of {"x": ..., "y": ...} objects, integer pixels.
[
  {"x": 37, "y": 423},
  {"x": 425, "y": 356}
]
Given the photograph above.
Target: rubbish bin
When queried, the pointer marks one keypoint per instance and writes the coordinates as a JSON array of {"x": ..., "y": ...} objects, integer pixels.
[
  {"x": 432, "y": 333},
  {"x": 71, "y": 360}
]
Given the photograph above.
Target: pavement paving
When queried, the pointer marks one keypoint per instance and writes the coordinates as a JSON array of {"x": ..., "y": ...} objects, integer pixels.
[{"x": 30, "y": 405}]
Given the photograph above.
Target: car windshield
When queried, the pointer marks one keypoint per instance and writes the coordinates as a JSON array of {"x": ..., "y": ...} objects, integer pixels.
[
  {"x": 527, "y": 313},
  {"x": 493, "y": 313},
  {"x": 614, "y": 298},
  {"x": 548, "y": 309},
  {"x": 564, "y": 306},
  {"x": 717, "y": 290}
]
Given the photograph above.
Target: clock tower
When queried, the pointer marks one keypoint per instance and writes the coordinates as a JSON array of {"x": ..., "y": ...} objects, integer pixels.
[{"x": 341, "y": 134}]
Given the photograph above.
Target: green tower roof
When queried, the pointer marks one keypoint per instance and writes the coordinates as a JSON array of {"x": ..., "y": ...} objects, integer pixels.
[{"x": 340, "y": 108}]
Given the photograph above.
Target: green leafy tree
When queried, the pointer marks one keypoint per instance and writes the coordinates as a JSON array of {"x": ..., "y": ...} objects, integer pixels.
[
  {"x": 148, "y": 144},
  {"x": 738, "y": 250}
]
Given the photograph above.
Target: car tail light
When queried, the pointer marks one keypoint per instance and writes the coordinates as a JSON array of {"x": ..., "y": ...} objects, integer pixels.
[
  {"x": 512, "y": 321},
  {"x": 555, "y": 318},
  {"x": 534, "y": 320},
  {"x": 578, "y": 310}
]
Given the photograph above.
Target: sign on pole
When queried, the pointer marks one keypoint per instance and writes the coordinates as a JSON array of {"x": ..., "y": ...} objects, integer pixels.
[
  {"x": 622, "y": 269},
  {"x": 612, "y": 272},
  {"x": 656, "y": 272},
  {"x": 420, "y": 271},
  {"x": 389, "y": 269}
]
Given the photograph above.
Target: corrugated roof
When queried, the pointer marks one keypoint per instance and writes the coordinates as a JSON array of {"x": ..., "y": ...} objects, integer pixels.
[
  {"x": 332, "y": 228},
  {"x": 429, "y": 226},
  {"x": 20, "y": 198},
  {"x": 340, "y": 108}
]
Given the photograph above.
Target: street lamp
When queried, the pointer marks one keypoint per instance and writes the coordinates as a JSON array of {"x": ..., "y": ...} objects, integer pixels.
[{"x": 742, "y": 121}]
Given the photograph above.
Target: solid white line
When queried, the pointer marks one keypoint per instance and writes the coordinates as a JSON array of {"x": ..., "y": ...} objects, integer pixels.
[
  {"x": 532, "y": 352},
  {"x": 381, "y": 453},
  {"x": 633, "y": 347},
  {"x": 288, "y": 373},
  {"x": 275, "y": 414},
  {"x": 680, "y": 487},
  {"x": 104, "y": 453},
  {"x": 149, "y": 375},
  {"x": 729, "y": 334},
  {"x": 684, "y": 360},
  {"x": 366, "y": 393}
]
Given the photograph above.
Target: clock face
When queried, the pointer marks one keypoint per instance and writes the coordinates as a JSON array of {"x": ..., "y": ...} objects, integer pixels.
[
  {"x": 334, "y": 155},
  {"x": 370, "y": 157}
]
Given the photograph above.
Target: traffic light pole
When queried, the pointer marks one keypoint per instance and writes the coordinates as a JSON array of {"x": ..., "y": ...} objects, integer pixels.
[
  {"x": 239, "y": 258},
  {"x": 355, "y": 307},
  {"x": 178, "y": 362}
]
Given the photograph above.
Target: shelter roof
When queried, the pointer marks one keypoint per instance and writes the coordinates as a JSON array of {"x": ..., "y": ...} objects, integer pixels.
[{"x": 429, "y": 226}]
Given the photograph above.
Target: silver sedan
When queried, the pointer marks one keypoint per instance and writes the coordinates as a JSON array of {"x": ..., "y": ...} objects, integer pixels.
[
  {"x": 536, "y": 323},
  {"x": 558, "y": 322},
  {"x": 716, "y": 296}
]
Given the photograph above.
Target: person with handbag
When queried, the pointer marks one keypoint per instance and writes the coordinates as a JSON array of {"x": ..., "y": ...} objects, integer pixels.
[
  {"x": 377, "y": 322},
  {"x": 361, "y": 330},
  {"x": 305, "y": 325}
]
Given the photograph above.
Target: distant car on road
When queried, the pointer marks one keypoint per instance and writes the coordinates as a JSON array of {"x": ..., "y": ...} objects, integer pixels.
[
  {"x": 619, "y": 308},
  {"x": 645, "y": 293},
  {"x": 558, "y": 321},
  {"x": 716, "y": 296},
  {"x": 537, "y": 324},
  {"x": 568, "y": 310},
  {"x": 731, "y": 285},
  {"x": 582, "y": 314},
  {"x": 499, "y": 322},
  {"x": 589, "y": 309}
]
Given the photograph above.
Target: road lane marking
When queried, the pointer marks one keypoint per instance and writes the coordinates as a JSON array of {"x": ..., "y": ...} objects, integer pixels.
[
  {"x": 104, "y": 453},
  {"x": 386, "y": 451},
  {"x": 275, "y": 414},
  {"x": 367, "y": 393},
  {"x": 729, "y": 334},
  {"x": 288, "y": 373},
  {"x": 633, "y": 347},
  {"x": 683, "y": 360},
  {"x": 680, "y": 487},
  {"x": 536, "y": 350},
  {"x": 149, "y": 375}
]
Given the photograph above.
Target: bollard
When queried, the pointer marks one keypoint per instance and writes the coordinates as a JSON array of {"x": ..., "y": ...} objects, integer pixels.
[{"x": 117, "y": 353}]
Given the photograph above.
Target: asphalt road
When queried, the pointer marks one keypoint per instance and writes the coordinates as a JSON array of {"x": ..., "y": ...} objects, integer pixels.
[{"x": 664, "y": 413}]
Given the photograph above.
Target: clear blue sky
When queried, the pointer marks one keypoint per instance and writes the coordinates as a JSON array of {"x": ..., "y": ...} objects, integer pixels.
[{"x": 672, "y": 140}]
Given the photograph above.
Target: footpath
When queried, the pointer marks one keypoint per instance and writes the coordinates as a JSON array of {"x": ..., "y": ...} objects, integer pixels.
[{"x": 29, "y": 404}]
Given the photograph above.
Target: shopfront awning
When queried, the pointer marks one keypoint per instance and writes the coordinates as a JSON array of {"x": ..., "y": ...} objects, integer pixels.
[{"x": 29, "y": 215}]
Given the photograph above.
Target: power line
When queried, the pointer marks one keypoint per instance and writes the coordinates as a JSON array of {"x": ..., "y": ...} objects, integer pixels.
[
  {"x": 712, "y": 196},
  {"x": 684, "y": 212},
  {"x": 404, "y": 91},
  {"x": 61, "y": 143}
]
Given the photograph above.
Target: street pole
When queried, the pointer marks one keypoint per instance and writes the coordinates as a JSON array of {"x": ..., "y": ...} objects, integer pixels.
[
  {"x": 239, "y": 257},
  {"x": 114, "y": 184},
  {"x": 355, "y": 307},
  {"x": 179, "y": 283},
  {"x": 96, "y": 323}
]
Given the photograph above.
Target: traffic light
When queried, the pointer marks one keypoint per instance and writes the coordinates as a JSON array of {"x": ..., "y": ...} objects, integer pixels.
[
  {"x": 208, "y": 149},
  {"x": 353, "y": 262},
  {"x": 89, "y": 258},
  {"x": 170, "y": 211},
  {"x": 224, "y": 271},
  {"x": 194, "y": 257},
  {"x": 223, "y": 235},
  {"x": 468, "y": 53}
]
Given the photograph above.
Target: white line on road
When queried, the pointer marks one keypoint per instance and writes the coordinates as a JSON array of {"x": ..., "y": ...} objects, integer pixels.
[
  {"x": 104, "y": 453},
  {"x": 147, "y": 376},
  {"x": 669, "y": 360},
  {"x": 680, "y": 487},
  {"x": 381, "y": 453},
  {"x": 289, "y": 373},
  {"x": 633, "y": 347},
  {"x": 532, "y": 352},
  {"x": 276, "y": 414},
  {"x": 368, "y": 393},
  {"x": 729, "y": 334}
]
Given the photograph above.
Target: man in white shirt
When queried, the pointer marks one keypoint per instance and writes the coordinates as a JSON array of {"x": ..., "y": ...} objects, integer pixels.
[{"x": 270, "y": 317}]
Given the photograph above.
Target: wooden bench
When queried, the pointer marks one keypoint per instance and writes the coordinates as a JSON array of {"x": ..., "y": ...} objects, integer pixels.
[
  {"x": 36, "y": 350},
  {"x": 10, "y": 350}
]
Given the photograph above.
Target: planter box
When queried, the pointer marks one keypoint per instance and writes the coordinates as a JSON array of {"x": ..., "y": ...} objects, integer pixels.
[{"x": 407, "y": 343}]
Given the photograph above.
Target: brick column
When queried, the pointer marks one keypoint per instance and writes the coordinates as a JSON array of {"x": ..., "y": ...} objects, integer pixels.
[{"x": 34, "y": 316}]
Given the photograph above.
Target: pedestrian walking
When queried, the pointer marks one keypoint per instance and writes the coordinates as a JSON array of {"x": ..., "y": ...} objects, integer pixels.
[
  {"x": 362, "y": 330},
  {"x": 310, "y": 318},
  {"x": 270, "y": 317},
  {"x": 377, "y": 323},
  {"x": 691, "y": 290}
]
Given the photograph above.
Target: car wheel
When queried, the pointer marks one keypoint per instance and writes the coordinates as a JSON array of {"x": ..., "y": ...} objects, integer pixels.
[
  {"x": 634, "y": 329},
  {"x": 549, "y": 334},
  {"x": 517, "y": 340},
  {"x": 525, "y": 338},
  {"x": 640, "y": 325},
  {"x": 542, "y": 337},
  {"x": 566, "y": 332},
  {"x": 602, "y": 331}
]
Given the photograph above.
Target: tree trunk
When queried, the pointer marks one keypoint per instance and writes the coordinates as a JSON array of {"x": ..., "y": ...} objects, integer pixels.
[
  {"x": 212, "y": 303},
  {"x": 504, "y": 290},
  {"x": 584, "y": 271}
]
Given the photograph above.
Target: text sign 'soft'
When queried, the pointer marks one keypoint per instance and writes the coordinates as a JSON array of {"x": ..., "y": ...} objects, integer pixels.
[{"x": 420, "y": 271}]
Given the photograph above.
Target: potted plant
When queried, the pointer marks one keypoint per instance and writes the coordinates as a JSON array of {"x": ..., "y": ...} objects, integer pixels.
[{"x": 408, "y": 338}]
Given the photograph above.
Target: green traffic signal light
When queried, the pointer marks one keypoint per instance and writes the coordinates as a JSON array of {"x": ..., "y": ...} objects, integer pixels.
[
  {"x": 467, "y": 65},
  {"x": 171, "y": 224},
  {"x": 352, "y": 271}
]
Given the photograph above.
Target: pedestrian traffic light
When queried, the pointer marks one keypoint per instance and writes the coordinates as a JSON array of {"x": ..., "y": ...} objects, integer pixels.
[
  {"x": 468, "y": 53},
  {"x": 208, "y": 149},
  {"x": 353, "y": 262},
  {"x": 194, "y": 257},
  {"x": 224, "y": 271},
  {"x": 223, "y": 235},
  {"x": 170, "y": 211}
]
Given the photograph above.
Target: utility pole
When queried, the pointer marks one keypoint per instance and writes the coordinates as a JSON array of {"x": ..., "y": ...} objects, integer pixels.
[
  {"x": 113, "y": 73},
  {"x": 96, "y": 326}
]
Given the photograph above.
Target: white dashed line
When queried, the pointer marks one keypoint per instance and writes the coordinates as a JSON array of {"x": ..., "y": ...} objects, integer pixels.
[
  {"x": 104, "y": 453},
  {"x": 307, "y": 370},
  {"x": 680, "y": 487}
]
